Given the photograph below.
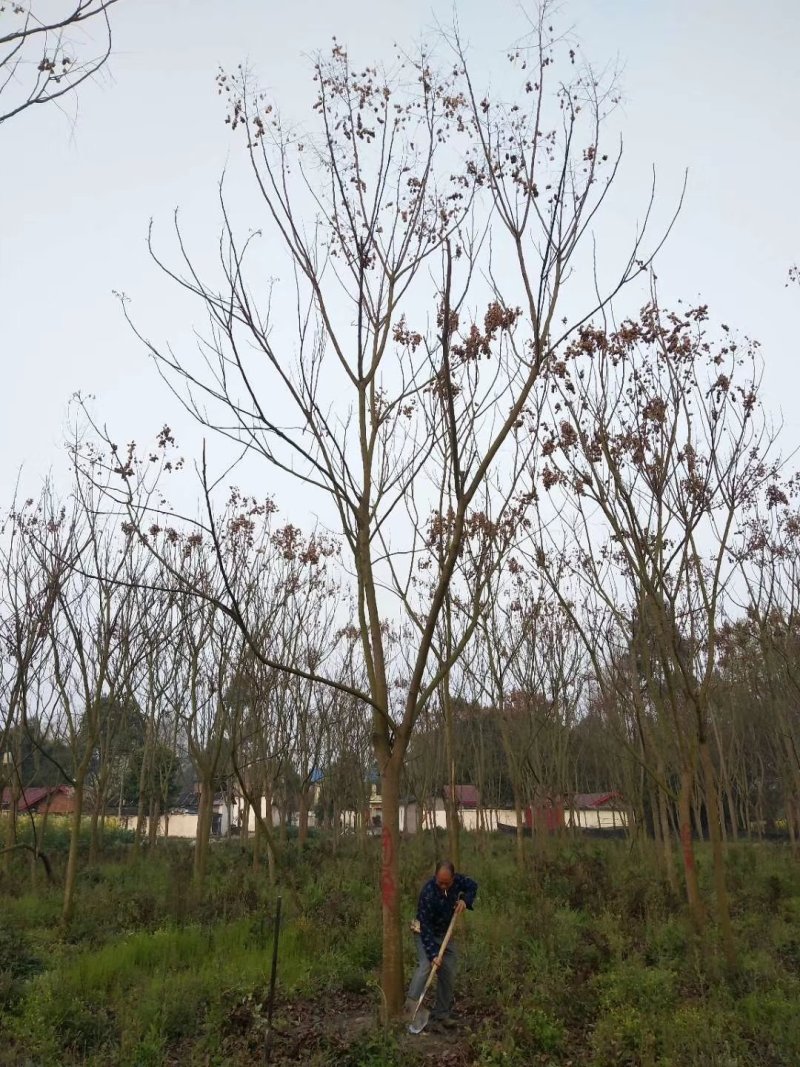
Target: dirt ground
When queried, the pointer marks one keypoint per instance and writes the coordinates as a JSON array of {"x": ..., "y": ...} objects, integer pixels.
[{"x": 332, "y": 1028}]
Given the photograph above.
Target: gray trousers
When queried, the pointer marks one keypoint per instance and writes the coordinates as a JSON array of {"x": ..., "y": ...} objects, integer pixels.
[{"x": 445, "y": 979}]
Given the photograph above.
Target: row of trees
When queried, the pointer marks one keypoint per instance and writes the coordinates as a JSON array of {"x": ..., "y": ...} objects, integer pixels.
[
  {"x": 549, "y": 531},
  {"x": 232, "y": 645}
]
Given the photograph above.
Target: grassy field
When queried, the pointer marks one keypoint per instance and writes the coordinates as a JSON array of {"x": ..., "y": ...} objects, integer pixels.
[{"x": 583, "y": 958}]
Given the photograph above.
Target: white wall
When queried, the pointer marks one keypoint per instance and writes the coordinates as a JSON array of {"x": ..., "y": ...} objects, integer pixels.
[
  {"x": 180, "y": 825},
  {"x": 596, "y": 820},
  {"x": 436, "y": 815}
]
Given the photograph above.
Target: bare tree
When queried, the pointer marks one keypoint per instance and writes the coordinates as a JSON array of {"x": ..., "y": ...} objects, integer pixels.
[
  {"x": 91, "y": 637},
  {"x": 28, "y": 596},
  {"x": 762, "y": 648},
  {"x": 657, "y": 443},
  {"x": 431, "y": 234}
]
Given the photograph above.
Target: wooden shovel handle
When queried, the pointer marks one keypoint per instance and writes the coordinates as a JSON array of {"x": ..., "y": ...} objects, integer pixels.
[
  {"x": 440, "y": 953},
  {"x": 448, "y": 935}
]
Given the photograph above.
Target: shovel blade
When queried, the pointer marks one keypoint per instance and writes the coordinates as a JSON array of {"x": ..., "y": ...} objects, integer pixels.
[{"x": 419, "y": 1022}]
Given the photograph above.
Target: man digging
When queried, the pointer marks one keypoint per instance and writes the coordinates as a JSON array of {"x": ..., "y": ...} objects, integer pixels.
[{"x": 442, "y": 897}]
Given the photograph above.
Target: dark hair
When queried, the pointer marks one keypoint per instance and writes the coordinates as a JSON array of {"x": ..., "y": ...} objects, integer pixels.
[{"x": 445, "y": 865}]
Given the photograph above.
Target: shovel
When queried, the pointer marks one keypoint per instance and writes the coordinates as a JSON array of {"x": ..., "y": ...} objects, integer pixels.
[{"x": 419, "y": 1020}]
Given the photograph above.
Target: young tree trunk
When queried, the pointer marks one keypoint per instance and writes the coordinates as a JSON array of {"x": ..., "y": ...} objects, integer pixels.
[
  {"x": 718, "y": 854},
  {"x": 732, "y": 812},
  {"x": 697, "y": 806},
  {"x": 153, "y": 821},
  {"x": 97, "y": 812},
  {"x": 392, "y": 964},
  {"x": 68, "y": 909},
  {"x": 10, "y": 840},
  {"x": 520, "y": 836},
  {"x": 257, "y": 846},
  {"x": 94, "y": 843},
  {"x": 302, "y": 817},
  {"x": 142, "y": 805},
  {"x": 696, "y": 912},
  {"x": 453, "y": 824},
  {"x": 666, "y": 841},
  {"x": 201, "y": 845},
  {"x": 272, "y": 867}
]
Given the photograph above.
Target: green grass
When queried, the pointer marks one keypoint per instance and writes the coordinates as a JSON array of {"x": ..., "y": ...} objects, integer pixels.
[{"x": 585, "y": 957}]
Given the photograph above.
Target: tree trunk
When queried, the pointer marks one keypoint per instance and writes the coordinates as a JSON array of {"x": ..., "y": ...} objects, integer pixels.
[
  {"x": 453, "y": 825},
  {"x": 666, "y": 841},
  {"x": 97, "y": 811},
  {"x": 697, "y": 805},
  {"x": 520, "y": 837},
  {"x": 718, "y": 854},
  {"x": 732, "y": 812},
  {"x": 93, "y": 835},
  {"x": 143, "y": 776},
  {"x": 201, "y": 844},
  {"x": 68, "y": 909},
  {"x": 10, "y": 839},
  {"x": 302, "y": 817},
  {"x": 392, "y": 964},
  {"x": 122, "y": 790},
  {"x": 153, "y": 821},
  {"x": 696, "y": 911},
  {"x": 257, "y": 845}
]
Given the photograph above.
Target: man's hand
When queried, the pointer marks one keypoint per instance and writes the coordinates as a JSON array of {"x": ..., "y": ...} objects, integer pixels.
[
  {"x": 436, "y": 962},
  {"x": 461, "y": 905}
]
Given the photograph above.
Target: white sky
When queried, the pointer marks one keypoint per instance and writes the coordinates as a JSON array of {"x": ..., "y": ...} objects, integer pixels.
[{"x": 712, "y": 85}]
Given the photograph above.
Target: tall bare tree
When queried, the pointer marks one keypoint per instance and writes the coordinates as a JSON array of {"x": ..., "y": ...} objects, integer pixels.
[
  {"x": 657, "y": 444},
  {"x": 431, "y": 234},
  {"x": 28, "y": 596}
]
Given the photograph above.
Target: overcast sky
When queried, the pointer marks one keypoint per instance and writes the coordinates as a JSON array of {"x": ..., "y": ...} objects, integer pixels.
[{"x": 709, "y": 85}]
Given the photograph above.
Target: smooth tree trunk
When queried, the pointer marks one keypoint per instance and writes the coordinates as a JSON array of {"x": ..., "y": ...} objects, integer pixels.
[
  {"x": 153, "y": 821},
  {"x": 68, "y": 908},
  {"x": 718, "y": 854},
  {"x": 95, "y": 837},
  {"x": 392, "y": 963},
  {"x": 10, "y": 838},
  {"x": 732, "y": 811},
  {"x": 520, "y": 825},
  {"x": 453, "y": 824},
  {"x": 666, "y": 840},
  {"x": 141, "y": 810},
  {"x": 696, "y": 910},
  {"x": 204, "y": 818},
  {"x": 697, "y": 805},
  {"x": 302, "y": 817},
  {"x": 257, "y": 846}
]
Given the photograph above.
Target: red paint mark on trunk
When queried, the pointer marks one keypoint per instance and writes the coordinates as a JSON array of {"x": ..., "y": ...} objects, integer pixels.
[{"x": 388, "y": 886}]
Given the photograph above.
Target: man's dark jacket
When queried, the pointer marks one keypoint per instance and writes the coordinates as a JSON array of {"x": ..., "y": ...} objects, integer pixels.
[{"x": 435, "y": 909}]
